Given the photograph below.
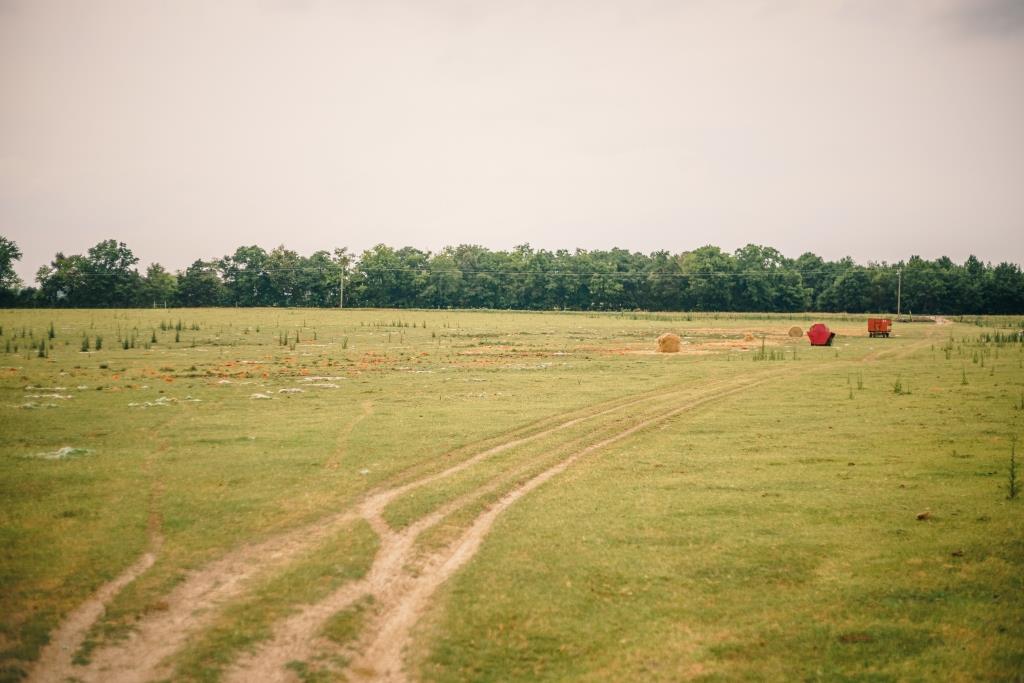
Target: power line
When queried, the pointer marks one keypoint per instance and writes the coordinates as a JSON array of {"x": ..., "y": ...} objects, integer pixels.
[{"x": 562, "y": 273}]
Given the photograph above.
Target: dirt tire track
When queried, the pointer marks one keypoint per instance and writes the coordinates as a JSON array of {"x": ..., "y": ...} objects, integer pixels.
[
  {"x": 56, "y": 659},
  {"x": 192, "y": 604},
  {"x": 390, "y": 495},
  {"x": 402, "y": 595},
  {"x": 294, "y": 637},
  {"x": 901, "y": 352},
  {"x": 383, "y": 657},
  {"x": 341, "y": 442}
]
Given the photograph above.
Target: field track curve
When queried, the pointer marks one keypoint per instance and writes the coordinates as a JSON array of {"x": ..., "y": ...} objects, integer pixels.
[{"x": 400, "y": 597}]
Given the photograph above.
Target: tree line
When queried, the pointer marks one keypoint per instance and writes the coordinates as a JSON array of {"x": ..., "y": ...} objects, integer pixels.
[{"x": 752, "y": 278}]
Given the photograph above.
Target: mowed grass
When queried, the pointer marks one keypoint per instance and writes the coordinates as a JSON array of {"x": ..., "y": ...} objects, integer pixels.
[{"x": 736, "y": 541}]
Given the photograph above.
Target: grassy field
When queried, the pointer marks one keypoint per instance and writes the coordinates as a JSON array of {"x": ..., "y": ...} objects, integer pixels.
[{"x": 235, "y": 494}]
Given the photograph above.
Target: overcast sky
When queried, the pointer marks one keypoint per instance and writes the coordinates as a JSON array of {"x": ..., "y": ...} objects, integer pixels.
[{"x": 876, "y": 129}]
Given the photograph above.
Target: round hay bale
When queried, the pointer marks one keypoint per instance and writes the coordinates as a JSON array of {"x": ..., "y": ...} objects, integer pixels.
[
  {"x": 795, "y": 331},
  {"x": 747, "y": 336},
  {"x": 669, "y": 343}
]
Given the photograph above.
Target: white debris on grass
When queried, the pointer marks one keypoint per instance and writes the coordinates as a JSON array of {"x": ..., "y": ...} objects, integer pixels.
[
  {"x": 291, "y": 390},
  {"x": 225, "y": 381},
  {"x": 158, "y": 403},
  {"x": 260, "y": 396},
  {"x": 61, "y": 397},
  {"x": 32, "y": 405},
  {"x": 60, "y": 453},
  {"x": 325, "y": 385},
  {"x": 323, "y": 378},
  {"x": 364, "y": 472},
  {"x": 82, "y": 387}
]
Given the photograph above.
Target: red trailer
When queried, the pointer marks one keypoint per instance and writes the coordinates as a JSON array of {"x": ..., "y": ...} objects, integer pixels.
[
  {"x": 820, "y": 335},
  {"x": 879, "y": 327}
]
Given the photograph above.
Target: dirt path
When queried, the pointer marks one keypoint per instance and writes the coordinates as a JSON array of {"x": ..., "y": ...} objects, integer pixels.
[
  {"x": 55, "y": 663},
  {"x": 402, "y": 591},
  {"x": 194, "y": 603},
  {"x": 895, "y": 351},
  {"x": 341, "y": 447}
]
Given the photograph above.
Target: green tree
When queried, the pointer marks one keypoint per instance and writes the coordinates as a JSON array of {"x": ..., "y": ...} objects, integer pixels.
[
  {"x": 443, "y": 281},
  {"x": 284, "y": 278},
  {"x": 850, "y": 293},
  {"x": 386, "y": 277},
  {"x": 64, "y": 282},
  {"x": 320, "y": 278},
  {"x": 158, "y": 288},
  {"x": 245, "y": 277},
  {"x": 108, "y": 276},
  {"x": 10, "y": 283},
  {"x": 710, "y": 273},
  {"x": 665, "y": 284},
  {"x": 1005, "y": 289},
  {"x": 767, "y": 281},
  {"x": 200, "y": 285}
]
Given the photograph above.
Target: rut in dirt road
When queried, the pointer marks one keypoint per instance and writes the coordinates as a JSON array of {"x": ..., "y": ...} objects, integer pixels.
[
  {"x": 163, "y": 633},
  {"x": 56, "y": 660},
  {"x": 401, "y": 593},
  {"x": 193, "y": 604}
]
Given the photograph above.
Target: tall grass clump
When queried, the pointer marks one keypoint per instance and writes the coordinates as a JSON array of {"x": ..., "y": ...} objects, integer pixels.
[{"x": 1012, "y": 486}]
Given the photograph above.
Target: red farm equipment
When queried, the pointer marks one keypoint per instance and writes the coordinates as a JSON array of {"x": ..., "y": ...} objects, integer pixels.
[
  {"x": 879, "y": 327},
  {"x": 820, "y": 335}
]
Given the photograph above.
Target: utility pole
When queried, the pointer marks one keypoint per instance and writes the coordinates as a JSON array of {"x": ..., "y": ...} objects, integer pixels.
[
  {"x": 341, "y": 288},
  {"x": 899, "y": 289}
]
